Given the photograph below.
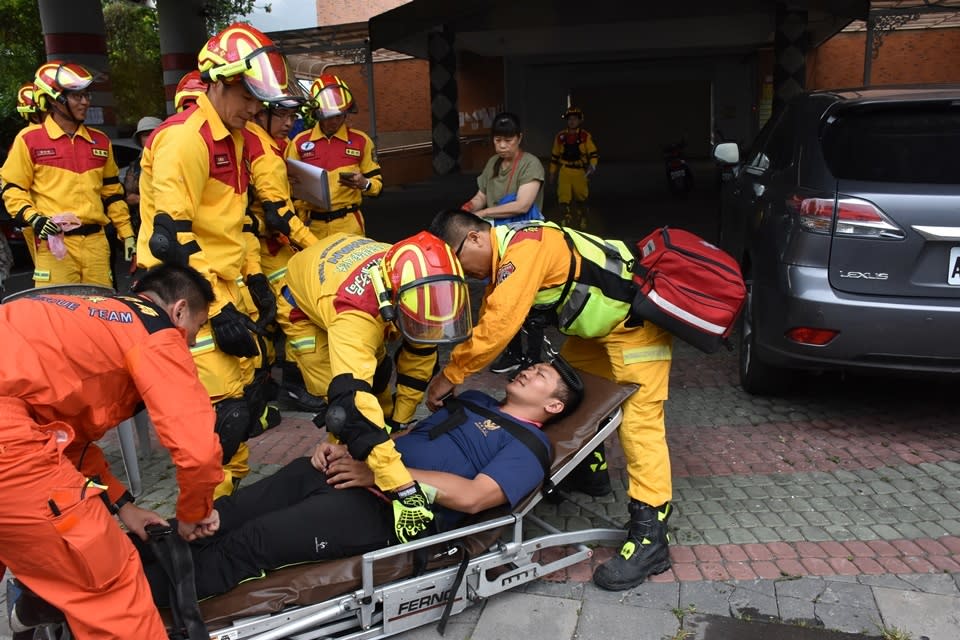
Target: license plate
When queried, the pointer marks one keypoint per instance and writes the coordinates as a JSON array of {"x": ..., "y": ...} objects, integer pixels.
[{"x": 953, "y": 269}]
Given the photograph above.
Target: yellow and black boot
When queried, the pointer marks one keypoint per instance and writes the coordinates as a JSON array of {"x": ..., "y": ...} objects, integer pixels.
[
  {"x": 590, "y": 476},
  {"x": 646, "y": 551}
]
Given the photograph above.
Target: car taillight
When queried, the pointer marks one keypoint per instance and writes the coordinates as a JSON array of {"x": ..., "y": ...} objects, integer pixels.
[
  {"x": 855, "y": 218},
  {"x": 811, "y": 335}
]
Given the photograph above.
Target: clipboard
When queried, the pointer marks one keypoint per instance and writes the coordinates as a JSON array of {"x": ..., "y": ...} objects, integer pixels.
[{"x": 309, "y": 183}]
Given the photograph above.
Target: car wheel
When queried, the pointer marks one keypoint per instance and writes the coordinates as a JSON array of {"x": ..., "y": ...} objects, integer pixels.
[{"x": 757, "y": 377}]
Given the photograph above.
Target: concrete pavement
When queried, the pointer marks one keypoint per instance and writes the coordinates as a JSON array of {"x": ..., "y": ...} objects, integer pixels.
[{"x": 829, "y": 511}]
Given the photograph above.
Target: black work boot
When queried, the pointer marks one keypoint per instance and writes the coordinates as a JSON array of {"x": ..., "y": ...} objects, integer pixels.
[
  {"x": 590, "y": 476},
  {"x": 294, "y": 390},
  {"x": 27, "y": 610},
  {"x": 645, "y": 553}
]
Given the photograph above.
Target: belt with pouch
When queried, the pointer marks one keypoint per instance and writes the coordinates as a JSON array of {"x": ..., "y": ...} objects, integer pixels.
[{"x": 336, "y": 214}]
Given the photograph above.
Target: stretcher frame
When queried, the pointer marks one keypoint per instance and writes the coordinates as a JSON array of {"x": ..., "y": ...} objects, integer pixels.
[{"x": 379, "y": 609}]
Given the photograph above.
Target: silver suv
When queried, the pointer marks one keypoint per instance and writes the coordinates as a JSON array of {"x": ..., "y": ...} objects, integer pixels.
[{"x": 845, "y": 215}]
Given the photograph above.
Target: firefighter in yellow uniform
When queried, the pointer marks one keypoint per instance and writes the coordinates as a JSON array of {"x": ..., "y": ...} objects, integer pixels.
[
  {"x": 29, "y": 110},
  {"x": 344, "y": 299},
  {"x": 529, "y": 269},
  {"x": 347, "y": 154},
  {"x": 193, "y": 203},
  {"x": 573, "y": 160},
  {"x": 61, "y": 166}
]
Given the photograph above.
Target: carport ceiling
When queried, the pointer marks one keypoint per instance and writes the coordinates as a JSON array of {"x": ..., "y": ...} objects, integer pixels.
[{"x": 567, "y": 27}]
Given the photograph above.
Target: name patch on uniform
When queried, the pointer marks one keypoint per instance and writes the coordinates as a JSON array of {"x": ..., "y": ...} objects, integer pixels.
[
  {"x": 101, "y": 153},
  {"x": 44, "y": 153},
  {"x": 353, "y": 152},
  {"x": 221, "y": 159},
  {"x": 504, "y": 271}
]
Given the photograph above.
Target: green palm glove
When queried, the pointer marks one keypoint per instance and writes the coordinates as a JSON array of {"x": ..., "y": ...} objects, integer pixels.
[{"x": 412, "y": 515}]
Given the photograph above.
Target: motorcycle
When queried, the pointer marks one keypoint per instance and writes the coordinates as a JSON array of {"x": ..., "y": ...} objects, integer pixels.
[{"x": 678, "y": 173}]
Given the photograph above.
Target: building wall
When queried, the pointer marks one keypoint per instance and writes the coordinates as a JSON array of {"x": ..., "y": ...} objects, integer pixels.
[
  {"x": 911, "y": 56},
  {"x": 346, "y": 11}
]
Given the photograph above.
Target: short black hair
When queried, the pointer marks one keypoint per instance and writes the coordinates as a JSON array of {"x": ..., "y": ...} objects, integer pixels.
[
  {"x": 570, "y": 389},
  {"x": 171, "y": 282},
  {"x": 506, "y": 124},
  {"x": 452, "y": 225}
]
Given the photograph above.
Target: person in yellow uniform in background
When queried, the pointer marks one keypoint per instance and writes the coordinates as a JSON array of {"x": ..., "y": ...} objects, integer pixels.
[
  {"x": 347, "y": 154},
  {"x": 280, "y": 231},
  {"x": 573, "y": 160},
  {"x": 64, "y": 167},
  {"x": 529, "y": 266},
  {"x": 190, "y": 87},
  {"x": 193, "y": 207},
  {"x": 344, "y": 300},
  {"x": 31, "y": 112}
]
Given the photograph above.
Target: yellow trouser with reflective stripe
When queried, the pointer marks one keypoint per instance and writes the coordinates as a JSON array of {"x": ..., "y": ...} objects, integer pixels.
[
  {"x": 642, "y": 356},
  {"x": 87, "y": 261}
]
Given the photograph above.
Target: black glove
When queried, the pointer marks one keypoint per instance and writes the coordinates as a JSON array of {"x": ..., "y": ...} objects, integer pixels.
[
  {"x": 274, "y": 220},
  {"x": 43, "y": 226},
  {"x": 412, "y": 515},
  {"x": 231, "y": 330},
  {"x": 264, "y": 298}
]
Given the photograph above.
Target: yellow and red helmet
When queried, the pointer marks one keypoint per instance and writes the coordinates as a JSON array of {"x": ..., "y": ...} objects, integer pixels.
[
  {"x": 54, "y": 79},
  {"x": 573, "y": 111},
  {"x": 241, "y": 52},
  {"x": 189, "y": 89},
  {"x": 428, "y": 290},
  {"x": 26, "y": 103},
  {"x": 330, "y": 97}
]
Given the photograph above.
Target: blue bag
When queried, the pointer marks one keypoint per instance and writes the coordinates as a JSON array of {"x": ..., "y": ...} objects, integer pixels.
[{"x": 533, "y": 213}]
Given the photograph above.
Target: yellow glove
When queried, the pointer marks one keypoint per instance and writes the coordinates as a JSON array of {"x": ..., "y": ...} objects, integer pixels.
[{"x": 129, "y": 248}]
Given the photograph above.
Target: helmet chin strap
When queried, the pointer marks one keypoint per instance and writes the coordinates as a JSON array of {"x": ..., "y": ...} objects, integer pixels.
[{"x": 67, "y": 112}]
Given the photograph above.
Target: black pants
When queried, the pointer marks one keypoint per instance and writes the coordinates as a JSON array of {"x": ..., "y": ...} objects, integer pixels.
[{"x": 291, "y": 517}]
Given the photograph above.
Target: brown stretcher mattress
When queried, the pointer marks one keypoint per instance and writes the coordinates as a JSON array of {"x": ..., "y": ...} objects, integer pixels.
[{"x": 317, "y": 582}]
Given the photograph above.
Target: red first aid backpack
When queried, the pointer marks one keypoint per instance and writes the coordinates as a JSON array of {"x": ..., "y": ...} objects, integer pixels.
[{"x": 687, "y": 286}]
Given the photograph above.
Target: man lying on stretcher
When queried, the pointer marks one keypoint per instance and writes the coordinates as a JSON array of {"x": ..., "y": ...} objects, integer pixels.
[{"x": 326, "y": 507}]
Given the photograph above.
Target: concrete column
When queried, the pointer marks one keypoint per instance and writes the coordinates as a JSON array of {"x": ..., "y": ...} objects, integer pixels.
[
  {"x": 73, "y": 31},
  {"x": 444, "y": 115},
  {"x": 182, "y": 33},
  {"x": 791, "y": 43}
]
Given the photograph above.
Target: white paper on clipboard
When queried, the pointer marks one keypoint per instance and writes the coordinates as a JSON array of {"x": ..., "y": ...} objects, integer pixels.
[{"x": 309, "y": 183}]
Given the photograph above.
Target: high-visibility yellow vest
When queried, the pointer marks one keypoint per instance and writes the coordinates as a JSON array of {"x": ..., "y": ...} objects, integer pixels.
[{"x": 591, "y": 303}]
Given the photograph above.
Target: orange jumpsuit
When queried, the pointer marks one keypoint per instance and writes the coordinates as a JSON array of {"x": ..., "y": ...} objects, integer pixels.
[
  {"x": 50, "y": 172},
  {"x": 330, "y": 314},
  {"x": 71, "y": 369},
  {"x": 347, "y": 151},
  {"x": 535, "y": 260}
]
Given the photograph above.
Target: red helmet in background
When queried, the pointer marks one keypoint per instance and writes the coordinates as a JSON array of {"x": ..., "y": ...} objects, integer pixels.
[
  {"x": 242, "y": 53},
  {"x": 330, "y": 97},
  {"x": 189, "y": 89},
  {"x": 26, "y": 102},
  {"x": 55, "y": 79},
  {"x": 428, "y": 290}
]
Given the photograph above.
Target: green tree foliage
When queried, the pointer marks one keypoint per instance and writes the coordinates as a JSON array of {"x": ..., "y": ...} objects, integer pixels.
[
  {"x": 220, "y": 13},
  {"x": 21, "y": 52},
  {"x": 133, "y": 48}
]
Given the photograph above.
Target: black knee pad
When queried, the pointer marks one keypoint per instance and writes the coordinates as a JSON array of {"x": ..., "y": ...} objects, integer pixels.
[
  {"x": 233, "y": 423},
  {"x": 347, "y": 423}
]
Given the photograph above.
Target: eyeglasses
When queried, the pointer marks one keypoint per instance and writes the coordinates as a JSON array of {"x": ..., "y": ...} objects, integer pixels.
[
  {"x": 460, "y": 247},
  {"x": 78, "y": 96}
]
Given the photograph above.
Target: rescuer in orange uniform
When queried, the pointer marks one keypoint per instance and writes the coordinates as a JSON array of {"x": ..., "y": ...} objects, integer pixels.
[
  {"x": 344, "y": 300},
  {"x": 98, "y": 360},
  {"x": 193, "y": 206},
  {"x": 62, "y": 166},
  {"x": 347, "y": 154}
]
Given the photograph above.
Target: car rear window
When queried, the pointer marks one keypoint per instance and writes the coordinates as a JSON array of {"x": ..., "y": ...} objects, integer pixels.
[{"x": 903, "y": 143}]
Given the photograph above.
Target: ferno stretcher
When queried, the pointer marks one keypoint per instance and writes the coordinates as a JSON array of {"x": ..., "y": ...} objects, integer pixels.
[{"x": 379, "y": 594}]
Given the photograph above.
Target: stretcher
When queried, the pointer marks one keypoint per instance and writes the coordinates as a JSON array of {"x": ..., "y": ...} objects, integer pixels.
[{"x": 379, "y": 594}]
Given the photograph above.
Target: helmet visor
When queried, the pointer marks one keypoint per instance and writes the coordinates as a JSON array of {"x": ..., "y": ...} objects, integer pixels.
[
  {"x": 435, "y": 311},
  {"x": 267, "y": 76},
  {"x": 72, "y": 78}
]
